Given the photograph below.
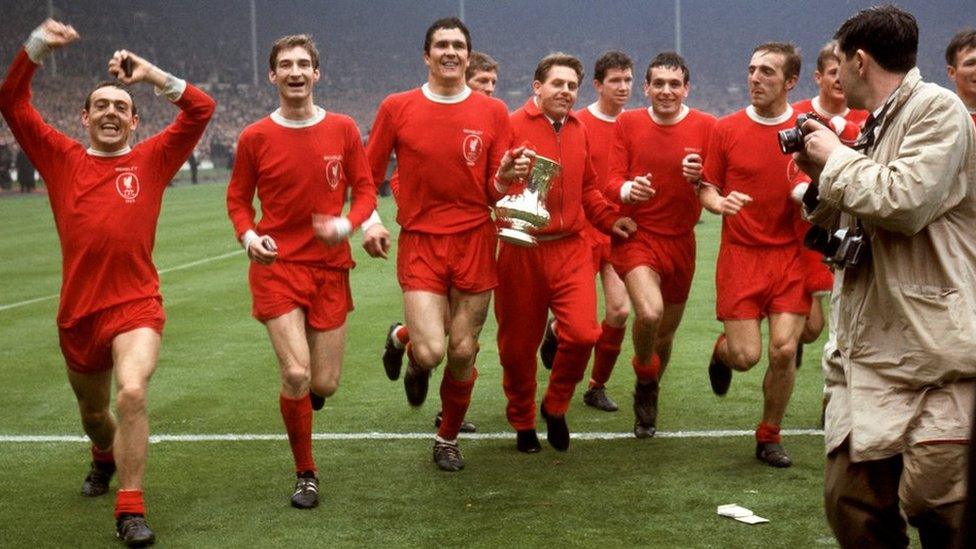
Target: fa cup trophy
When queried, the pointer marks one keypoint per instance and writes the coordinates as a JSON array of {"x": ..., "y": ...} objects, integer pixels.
[{"x": 526, "y": 212}]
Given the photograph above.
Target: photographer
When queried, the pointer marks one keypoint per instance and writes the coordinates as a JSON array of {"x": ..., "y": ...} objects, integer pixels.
[{"x": 900, "y": 382}]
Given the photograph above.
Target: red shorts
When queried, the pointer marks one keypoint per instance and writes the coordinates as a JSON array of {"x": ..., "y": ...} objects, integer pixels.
[
  {"x": 818, "y": 279},
  {"x": 672, "y": 258},
  {"x": 284, "y": 286},
  {"x": 87, "y": 345},
  {"x": 752, "y": 282},
  {"x": 599, "y": 244},
  {"x": 438, "y": 262}
]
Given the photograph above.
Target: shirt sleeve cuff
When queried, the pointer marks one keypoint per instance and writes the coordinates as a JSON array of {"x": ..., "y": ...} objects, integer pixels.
[
  {"x": 36, "y": 46},
  {"x": 373, "y": 219},
  {"x": 173, "y": 88}
]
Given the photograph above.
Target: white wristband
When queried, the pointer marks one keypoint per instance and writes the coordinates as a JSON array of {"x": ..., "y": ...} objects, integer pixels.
[
  {"x": 36, "y": 46},
  {"x": 799, "y": 191},
  {"x": 173, "y": 89},
  {"x": 342, "y": 226},
  {"x": 249, "y": 237},
  {"x": 373, "y": 219},
  {"x": 625, "y": 191}
]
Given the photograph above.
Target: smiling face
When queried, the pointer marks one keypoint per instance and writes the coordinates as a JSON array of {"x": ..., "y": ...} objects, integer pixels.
[
  {"x": 447, "y": 57},
  {"x": 109, "y": 118},
  {"x": 557, "y": 94},
  {"x": 768, "y": 85},
  {"x": 829, "y": 81},
  {"x": 294, "y": 75},
  {"x": 666, "y": 90}
]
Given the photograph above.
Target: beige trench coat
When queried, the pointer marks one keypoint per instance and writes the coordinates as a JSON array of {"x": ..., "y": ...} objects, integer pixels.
[{"x": 901, "y": 368}]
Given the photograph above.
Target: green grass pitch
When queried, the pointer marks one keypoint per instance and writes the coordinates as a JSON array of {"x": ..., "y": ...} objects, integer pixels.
[{"x": 217, "y": 375}]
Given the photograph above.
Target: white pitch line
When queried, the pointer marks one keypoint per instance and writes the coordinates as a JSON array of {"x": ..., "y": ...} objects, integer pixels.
[
  {"x": 163, "y": 271},
  {"x": 248, "y": 437}
]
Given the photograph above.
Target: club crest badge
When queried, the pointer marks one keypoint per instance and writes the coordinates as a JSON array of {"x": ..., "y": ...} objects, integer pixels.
[
  {"x": 333, "y": 173},
  {"x": 472, "y": 147},
  {"x": 127, "y": 185},
  {"x": 792, "y": 171}
]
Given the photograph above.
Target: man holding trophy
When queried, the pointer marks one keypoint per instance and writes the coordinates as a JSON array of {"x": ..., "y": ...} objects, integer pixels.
[{"x": 543, "y": 259}]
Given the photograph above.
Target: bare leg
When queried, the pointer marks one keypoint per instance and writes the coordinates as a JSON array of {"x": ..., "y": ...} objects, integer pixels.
[{"x": 134, "y": 354}]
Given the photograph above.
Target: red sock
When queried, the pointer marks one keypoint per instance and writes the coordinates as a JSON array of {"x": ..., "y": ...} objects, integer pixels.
[
  {"x": 605, "y": 354},
  {"x": 768, "y": 433},
  {"x": 129, "y": 502},
  {"x": 297, "y": 414},
  {"x": 455, "y": 399},
  {"x": 647, "y": 373},
  {"x": 402, "y": 335},
  {"x": 102, "y": 457}
]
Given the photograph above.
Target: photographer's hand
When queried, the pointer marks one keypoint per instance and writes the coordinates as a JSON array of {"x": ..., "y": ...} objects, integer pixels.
[{"x": 818, "y": 142}]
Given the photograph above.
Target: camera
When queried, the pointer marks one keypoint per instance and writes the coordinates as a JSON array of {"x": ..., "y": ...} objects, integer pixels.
[
  {"x": 842, "y": 248},
  {"x": 791, "y": 139}
]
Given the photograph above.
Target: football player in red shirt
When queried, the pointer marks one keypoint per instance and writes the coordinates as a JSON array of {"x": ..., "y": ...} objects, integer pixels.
[
  {"x": 301, "y": 160},
  {"x": 451, "y": 146},
  {"x": 106, "y": 200},
  {"x": 533, "y": 280},
  {"x": 613, "y": 78},
  {"x": 961, "y": 67},
  {"x": 759, "y": 274},
  {"x": 655, "y": 166},
  {"x": 482, "y": 73},
  {"x": 830, "y": 105},
  {"x": 482, "y": 76}
]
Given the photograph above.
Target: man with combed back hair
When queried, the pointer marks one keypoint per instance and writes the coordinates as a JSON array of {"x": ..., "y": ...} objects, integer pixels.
[
  {"x": 901, "y": 380},
  {"x": 613, "y": 77},
  {"x": 747, "y": 180},
  {"x": 106, "y": 200},
  {"x": 551, "y": 275},
  {"x": 301, "y": 161}
]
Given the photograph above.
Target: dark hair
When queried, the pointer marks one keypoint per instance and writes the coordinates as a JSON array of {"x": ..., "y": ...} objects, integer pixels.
[
  {"x": 480, "y": 62},
  {"x": 110, "y": 84},
  {"x": 292, "y": 41},
  {"x": 611, "y": 60},
  {"x": 888, "y": 33},
  {"x": 827, "y": 53},
  {"x": 446, "y": 23},
  {"x": 791, "y": 56},
  {"x": 962, "y": 40},
  {"x": 671, "y": 60},
  {"x": 561, "y": 59}
]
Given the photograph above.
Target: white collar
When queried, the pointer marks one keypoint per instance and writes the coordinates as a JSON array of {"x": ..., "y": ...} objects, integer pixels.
[
  {"x": 815, "y": 102},
  {"x": 317, "y": 116},
  {"x": 121, "y": 152},
  {"x": 661, "y": 122},
  {"x": 755, "y": 117},
  {"x": 445, "y": 99},
  {"x": 594, "y": 109}
]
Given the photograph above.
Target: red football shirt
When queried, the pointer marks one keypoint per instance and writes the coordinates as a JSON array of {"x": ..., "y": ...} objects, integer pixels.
[
  {"x": 448, "y": 150},
  {"x": 600, "y": 134},
  {"x": 299, "y": 168},
  {"x": 856, "y": 116},
  {"x": 744, "y": 156},
  {"x": 105, "y": 207},
  {"x": 643, "y": 146}
]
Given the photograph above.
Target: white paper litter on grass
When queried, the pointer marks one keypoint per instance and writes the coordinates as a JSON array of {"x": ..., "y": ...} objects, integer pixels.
[{"x": 739, "y": 513}]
